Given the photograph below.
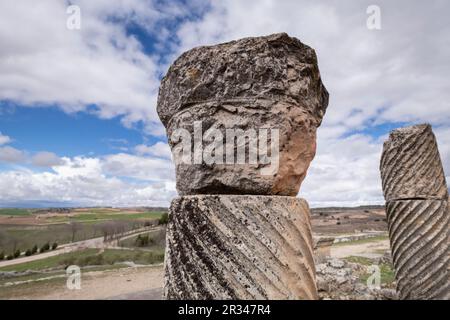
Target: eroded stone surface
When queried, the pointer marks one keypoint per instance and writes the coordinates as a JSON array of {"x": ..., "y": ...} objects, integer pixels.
[
  {"x": 265, "y": 82},
  {"x": 341, "y": 280},
  {"x": 417, "y": 211},
  {"x": 419, "y": 236},
  {"x": 239, "y": 247},
  {"x": 411, "y": 166}
]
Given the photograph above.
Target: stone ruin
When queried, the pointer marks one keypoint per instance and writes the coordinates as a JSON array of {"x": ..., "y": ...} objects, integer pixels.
[
  {"x": 237, "y": 231},
  {"x": 255, "y": 83},
  {"x": 322, "y": 248},
  {"x": 418, "y": 215}
]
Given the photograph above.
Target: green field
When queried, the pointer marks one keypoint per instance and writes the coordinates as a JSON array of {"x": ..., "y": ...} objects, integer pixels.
[
  {"x": 361, "y": 241},
  {"x": 50, "y": 272},
  {"x": 88, "y": 226},
  {"x": 56, "y": 273},
  {"x": 156, "y": 240},
  {"x": 14, "y": 212},
  {"x": 386, "y": 270},
  {"x": 90, "y": 257},
  {"x": 24, "y": 229},
  {"x": 31, "y": 288},
  {"x": 105, "y": 216},
  {"x": 51, "y": 262}
]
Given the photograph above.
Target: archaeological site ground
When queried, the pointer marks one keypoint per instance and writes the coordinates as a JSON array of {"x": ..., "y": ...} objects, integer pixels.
[{"x": 225, "y": 159}]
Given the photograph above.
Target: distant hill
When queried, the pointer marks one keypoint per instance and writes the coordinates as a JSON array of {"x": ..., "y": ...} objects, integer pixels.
[{"x": 368, "y": 207}]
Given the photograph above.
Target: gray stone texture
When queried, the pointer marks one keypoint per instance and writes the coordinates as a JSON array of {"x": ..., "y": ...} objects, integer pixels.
[
  {"x": 418, "y": 215},
  {"x": 239, "y": 247},
  {"x": 411, "y": 167},
  {"x": 264, "y": 82},
  {"x": 419, "y": 236}
]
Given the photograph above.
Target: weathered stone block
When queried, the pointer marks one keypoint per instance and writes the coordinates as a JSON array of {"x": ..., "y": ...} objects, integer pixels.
[
  {"x": 264, "y": 83},
  {"x": 239, "y": 247},
  {"x": 419, "y": 235},
  {"x": 411, "y": 167},
  {"x": 416, "y": 192}
]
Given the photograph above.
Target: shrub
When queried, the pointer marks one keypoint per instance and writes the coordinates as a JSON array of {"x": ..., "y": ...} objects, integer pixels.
[
  {"x": 69, "y": 261},
  {"x": 54, "y": 245},
  {"x": 45, "y": 247},
  {"x": 159, "y": 238},
  {"x": 34, "y": 249},
  {"x": 28, "y": 252},
  {"x": 142, "y": 241},
  {"x": 92, "y": 260},
  {"x": 2, "y": 255},
  {"x": 10, "y": 257},
  {"x": 17, "y": 253},
  {"x": 164, "y": 218}
]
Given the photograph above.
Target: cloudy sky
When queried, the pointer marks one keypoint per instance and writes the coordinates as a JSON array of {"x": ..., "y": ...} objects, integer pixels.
[{"x": 78, "y": 122}]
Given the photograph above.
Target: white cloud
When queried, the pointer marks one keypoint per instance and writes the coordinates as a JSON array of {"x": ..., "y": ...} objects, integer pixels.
[
  {"x": 443, "y": 137},
  {"x": 86, "y": 181},
  {"x": 4, "y": 139},
  {"x": 46, "y": 159},
  {"x": 137, "y": 167},
  {"x": 344, "y": 173},
  {"x": 43, "y": 63},
  {"x": 159, "y": 149},
  {"x": 116, "y": 179},
  {"x": 397, "y": 74},
  {"x": 10, "y": 154}
]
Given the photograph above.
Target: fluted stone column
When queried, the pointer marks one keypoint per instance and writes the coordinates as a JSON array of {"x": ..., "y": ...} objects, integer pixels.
[
  {"x": 239, "y": 247},
  {"x": 418, "y": 215},
  {"x": 238, "y": 231}
]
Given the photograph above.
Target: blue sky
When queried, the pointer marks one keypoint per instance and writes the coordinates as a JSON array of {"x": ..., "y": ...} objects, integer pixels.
[
  {"x": 78, "y": 120},
  {"x": 50, "y": 129}
]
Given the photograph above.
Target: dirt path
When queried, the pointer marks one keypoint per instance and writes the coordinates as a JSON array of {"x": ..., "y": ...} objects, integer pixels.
[
  {"x": 140, "y": 232},
  {"x": 96, "y": 243},
  {"x": 151, "y": 294},
  {"x": 128, "y": 283},
  {"x": 34, "y": 257},
  {"x": 371, "y": 249}
]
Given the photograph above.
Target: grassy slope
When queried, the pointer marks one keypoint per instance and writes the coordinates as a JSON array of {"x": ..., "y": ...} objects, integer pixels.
[
  {"x": 157, "y": 240},
  {"x": 93, "y": 216},
  {"x": 90, "y": 257},
  {"x": 51, "y": 262},
  {"x": 31, "y": 289},
  {"x": 27, "y": 236},
  {"x": 386, "y": 270},
  {"x": 361, "y": 241},
  {"x": 14, "y": 212}
]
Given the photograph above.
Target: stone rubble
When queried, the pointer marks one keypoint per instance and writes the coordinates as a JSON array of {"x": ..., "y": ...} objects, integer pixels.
[{"x": 340, "y": 280}]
